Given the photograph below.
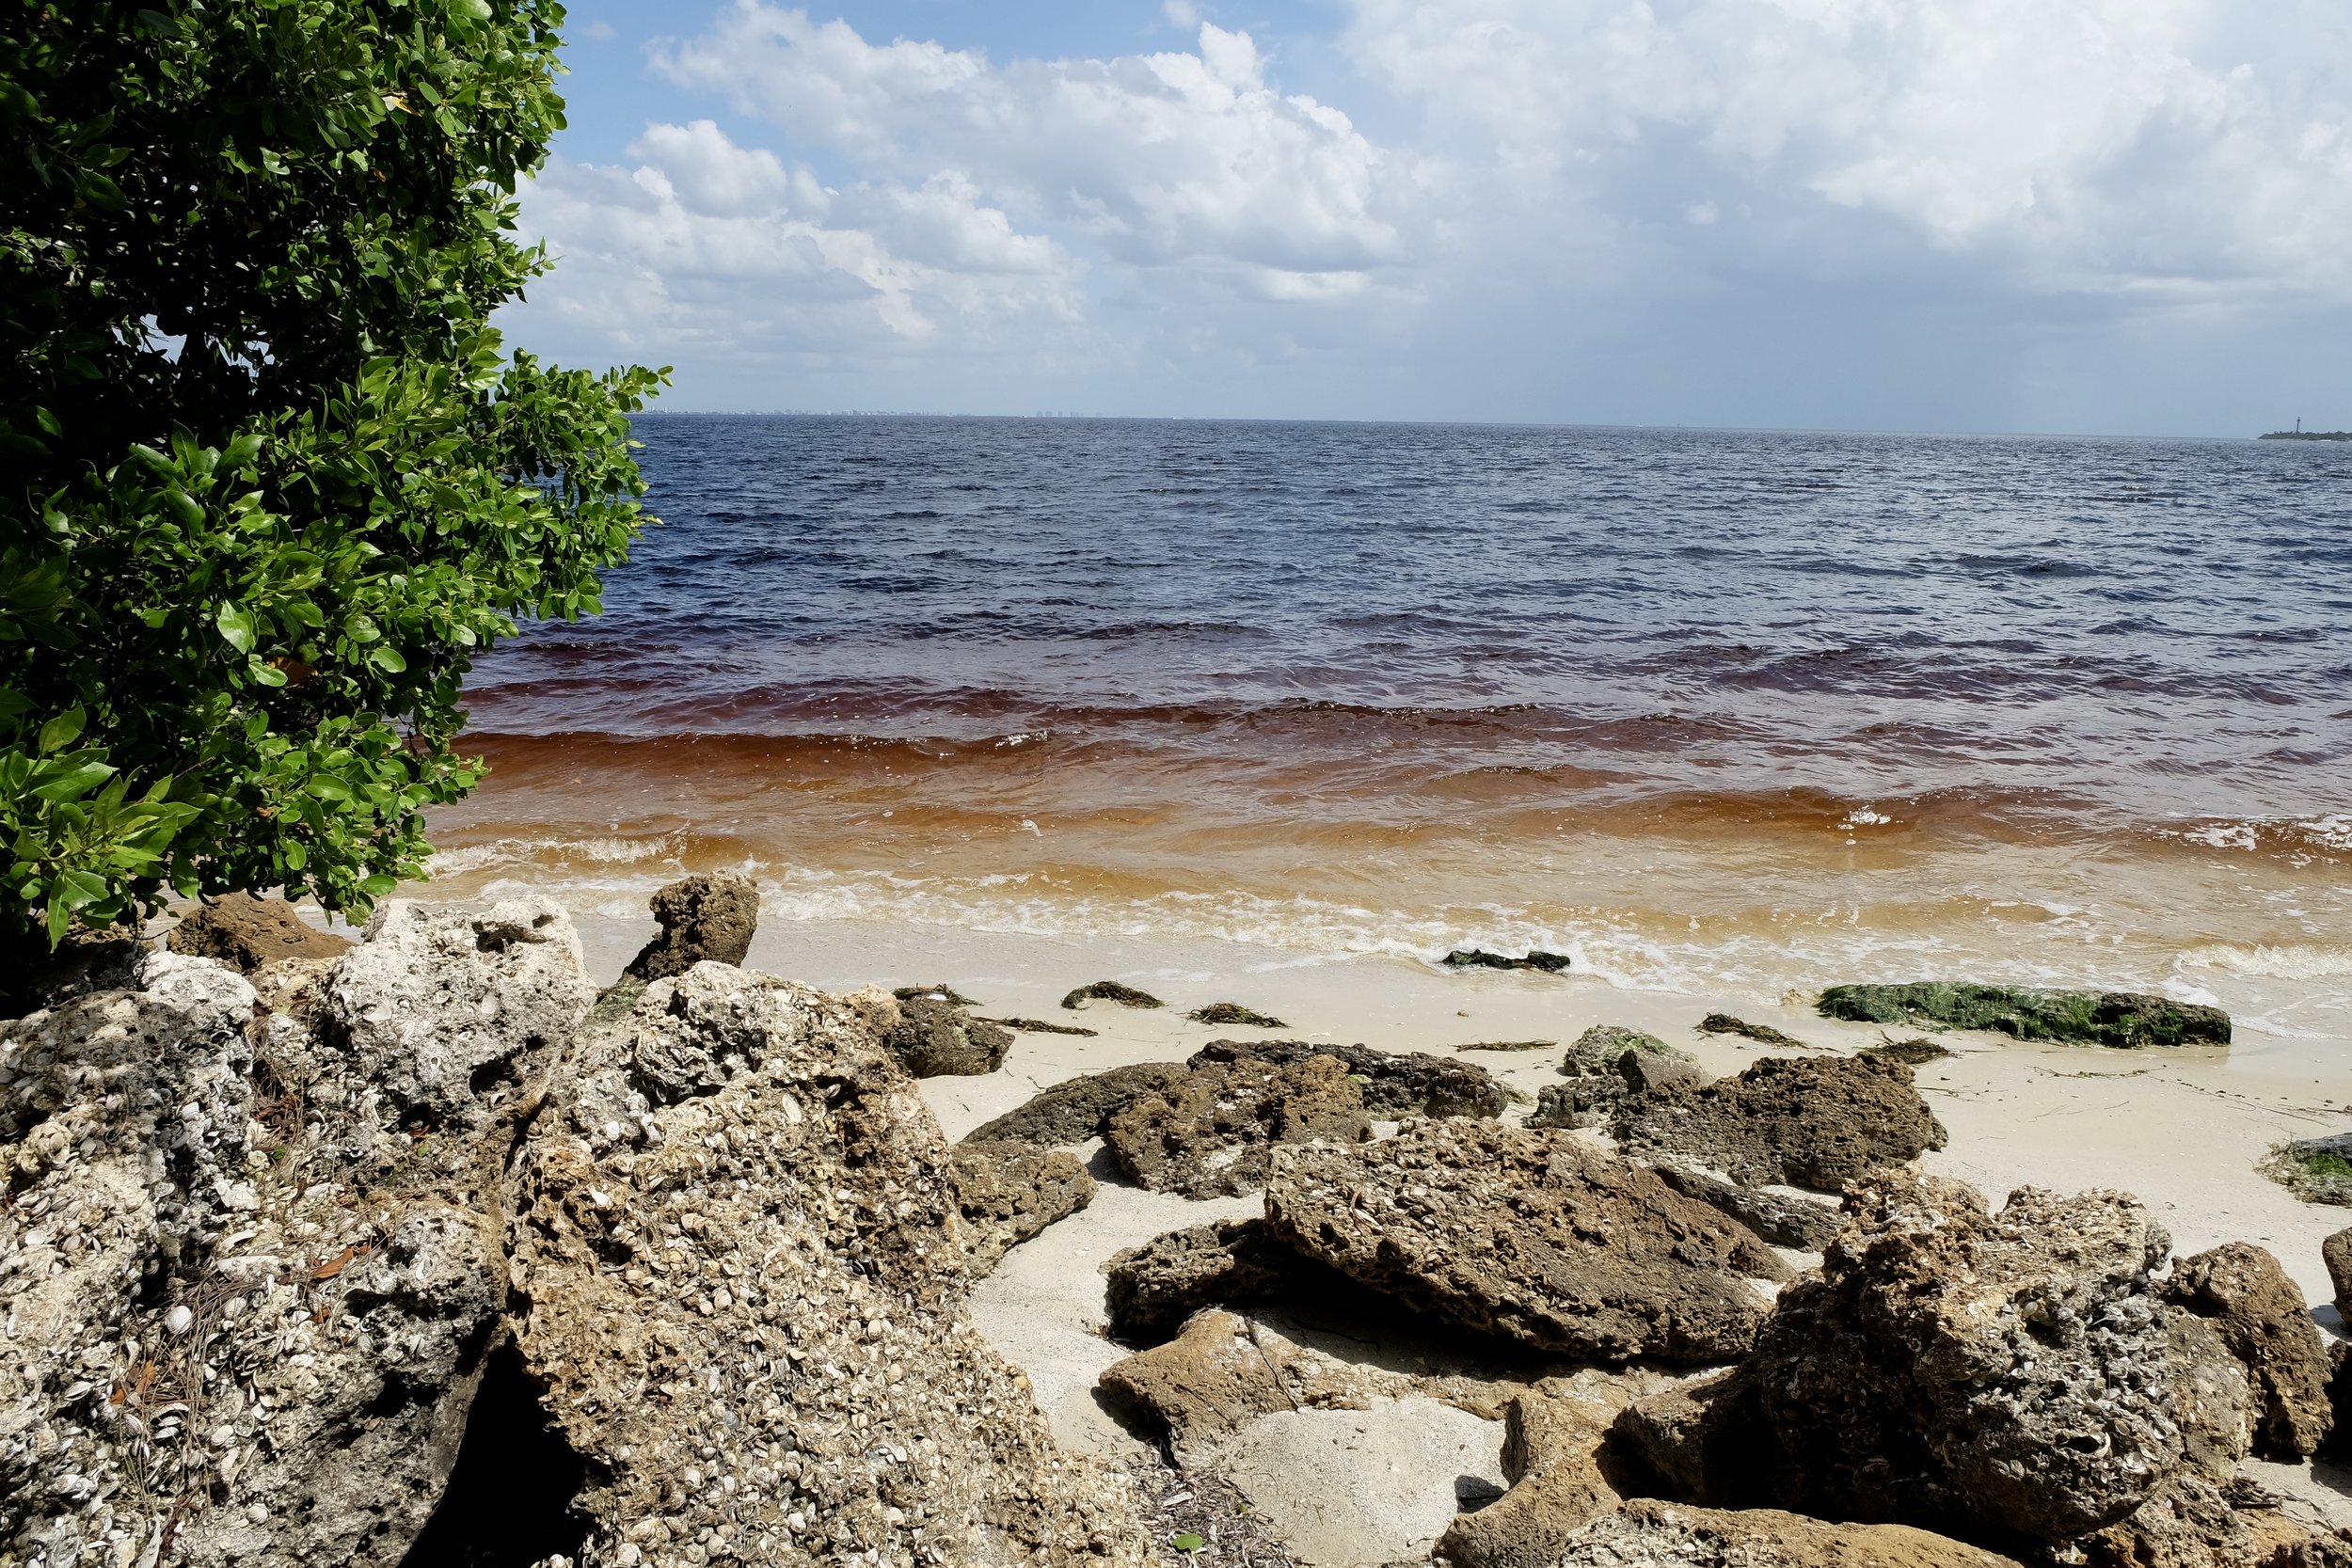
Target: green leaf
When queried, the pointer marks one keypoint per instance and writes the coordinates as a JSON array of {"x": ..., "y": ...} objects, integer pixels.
[
  {"x": 236, "y": 627},
  {"x": 62, "y": 731},
  {"x": 1187, "y": 1542},
  {"x": 386, "y": 657}
]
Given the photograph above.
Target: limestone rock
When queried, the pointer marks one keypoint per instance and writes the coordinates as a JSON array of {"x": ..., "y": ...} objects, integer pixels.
[
  {"x": 1156, "y": 1287},
  {"x": 246, "y": 932},
  {"x": 1553, "y": 1436},
  {"x": 1814, "y": 1121},
  {"x": 1209, "y": 1133},
  {"x": 938, "y": 1039},
  {"x": 1650, "y": 1534},
  {"x": 446, "y": 1014},
  {"x": 1008, "y": 1192},
  {"x": 248, "y": 1311},
  {"x": 2336, "y": 1253},
  {"x": 1224, "y": 1369},
  {"x": 1395, "y": 1084},
  {"x": 1533, "y": 1236},
  {"x": 1997, "y": 1376},
  {"x": 2258, "y": 1312},
  {"x": 1775, "y": 1218},
  {"x": 1076, "y": 1109},
  {"x": 741, "y": 1293},
  {"x": 1598, "y": 1079},
  {"x": 712, "y": 916}
]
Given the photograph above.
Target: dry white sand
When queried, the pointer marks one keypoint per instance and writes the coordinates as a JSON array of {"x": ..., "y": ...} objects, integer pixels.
[{"x": 2183, "y": 1130}]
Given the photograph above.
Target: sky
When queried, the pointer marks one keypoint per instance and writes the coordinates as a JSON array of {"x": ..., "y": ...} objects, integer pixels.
[{"x": 2116, "y": 216}]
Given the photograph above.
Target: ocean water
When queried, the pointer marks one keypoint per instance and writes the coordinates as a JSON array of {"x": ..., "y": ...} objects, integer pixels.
[{"x": 1745, "y": 712}]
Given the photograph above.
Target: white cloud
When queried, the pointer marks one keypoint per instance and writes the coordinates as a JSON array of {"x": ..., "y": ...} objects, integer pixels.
[
  {"x": 2080, "y": 144},
  {"x": 1161, "y": 160},
  {"x": 707, "y": 244}
]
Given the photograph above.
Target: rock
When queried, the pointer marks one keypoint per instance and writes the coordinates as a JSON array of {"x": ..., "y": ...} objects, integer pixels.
[
  {"x": 1817, "y": 1122},
  {"x": 1478, "y": 957},
  {"x": 446, "y": 1014},
  {"x": 1723, "y": 1024},
  {"x": 1395, "y": 1084},
  {"x": 1154, "y": 1288},
  {"x": 1208, "y": 1132},
  {"x": 2186, "y": 1523},
  {"x": 710, "y": 916},
  {"x": 1653, "y": 1073},
  {"x": 1597, "y": 1080},
  {"x": 1551, "y": 1456},
  {"x": 1646, "y": 1533},
  {"x": 1917, "y": 1051},
  {"x": 1223, "y": 1369},
  {"x": 938, "y": 1039},
  {"x": 742, "y": 1296},
  {"x": 1110, "y": 990},
  {"x": 1533, "y": 1237},
  {"x": 1078, "y": 1109},
  {"x": 2259, "y": 1314},
  {"x": 2318, "y": 1170},
  {"x": 1995, "y": 1377},
  {"x": 2336, "y": 1253},
  {"x": 246, "y": 932},
  {"x": 248, "y": 1309},
  {"x": 2124, "y": 1018},
  {"x": 1233, "y": 1012},
  {"x": 1775, "y": 1218},
  {"x": 1009, "y": 1192}
]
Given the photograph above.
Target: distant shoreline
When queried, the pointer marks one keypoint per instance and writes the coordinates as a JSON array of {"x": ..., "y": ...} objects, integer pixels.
[{"x": 2306, "y": 435}]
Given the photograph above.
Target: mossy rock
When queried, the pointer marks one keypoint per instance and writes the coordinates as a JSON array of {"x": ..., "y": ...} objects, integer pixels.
[
  {"x": 2317, "y": 1170},
  {"x": 1233, "y": 1012},
  {"x": 2126, "y": 1019}
]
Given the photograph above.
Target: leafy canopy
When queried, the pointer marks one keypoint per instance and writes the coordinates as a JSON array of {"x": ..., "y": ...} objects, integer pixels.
[{"x": 268, "y": 478}]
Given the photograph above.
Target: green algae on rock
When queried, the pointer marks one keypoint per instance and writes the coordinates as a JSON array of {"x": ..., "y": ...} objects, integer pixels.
[
  {"x": 2317, "y": 1170},
  {"x": 1233, "y": 1012},
  {"x": 2126, "y": 1019},
  {"x": 1723, "y": 1024}
]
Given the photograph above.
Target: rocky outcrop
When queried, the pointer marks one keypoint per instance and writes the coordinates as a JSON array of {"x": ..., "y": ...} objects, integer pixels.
[
  {"x": 2010, "y": 1376},
  {"x": 1395, "y": 1084},
  {"x": 445, "y": 1016},
  {"x": 2318, "y": 1170},
  {"x": 1605, "y": 1068},
  {"x": 733, "y": 1256},
  {"x": 1076, "y": 1109},
  {"x": 1532, "y": 1235},
  {"x": 1817, "y": 1122},
  {"x": 1154, "y": 1288},
  {"x": 246, "y": 932},
  {"x": 1803, "y": 1223},
  {"x": 712, "y": 916},
  {"x": 2258, "y": 1313},
  {"x": 1007, "y": 1192},
  {"x": 1208, "y": 1134},
  {"x": 939, "y": 1040},
  {"x": 249, "y": 1306},
  {"x": 2124, "y": 1018},
  {"x": 1651, "y": 1534}
]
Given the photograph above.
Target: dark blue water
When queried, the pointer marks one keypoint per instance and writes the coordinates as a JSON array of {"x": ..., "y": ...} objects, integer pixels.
[{"x": 2096, "y": 630}]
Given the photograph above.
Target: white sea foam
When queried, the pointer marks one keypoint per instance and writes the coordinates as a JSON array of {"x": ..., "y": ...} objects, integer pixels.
[
  {"x": 2283, "y": 961},
  {"x": 520, "y": 852}
]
